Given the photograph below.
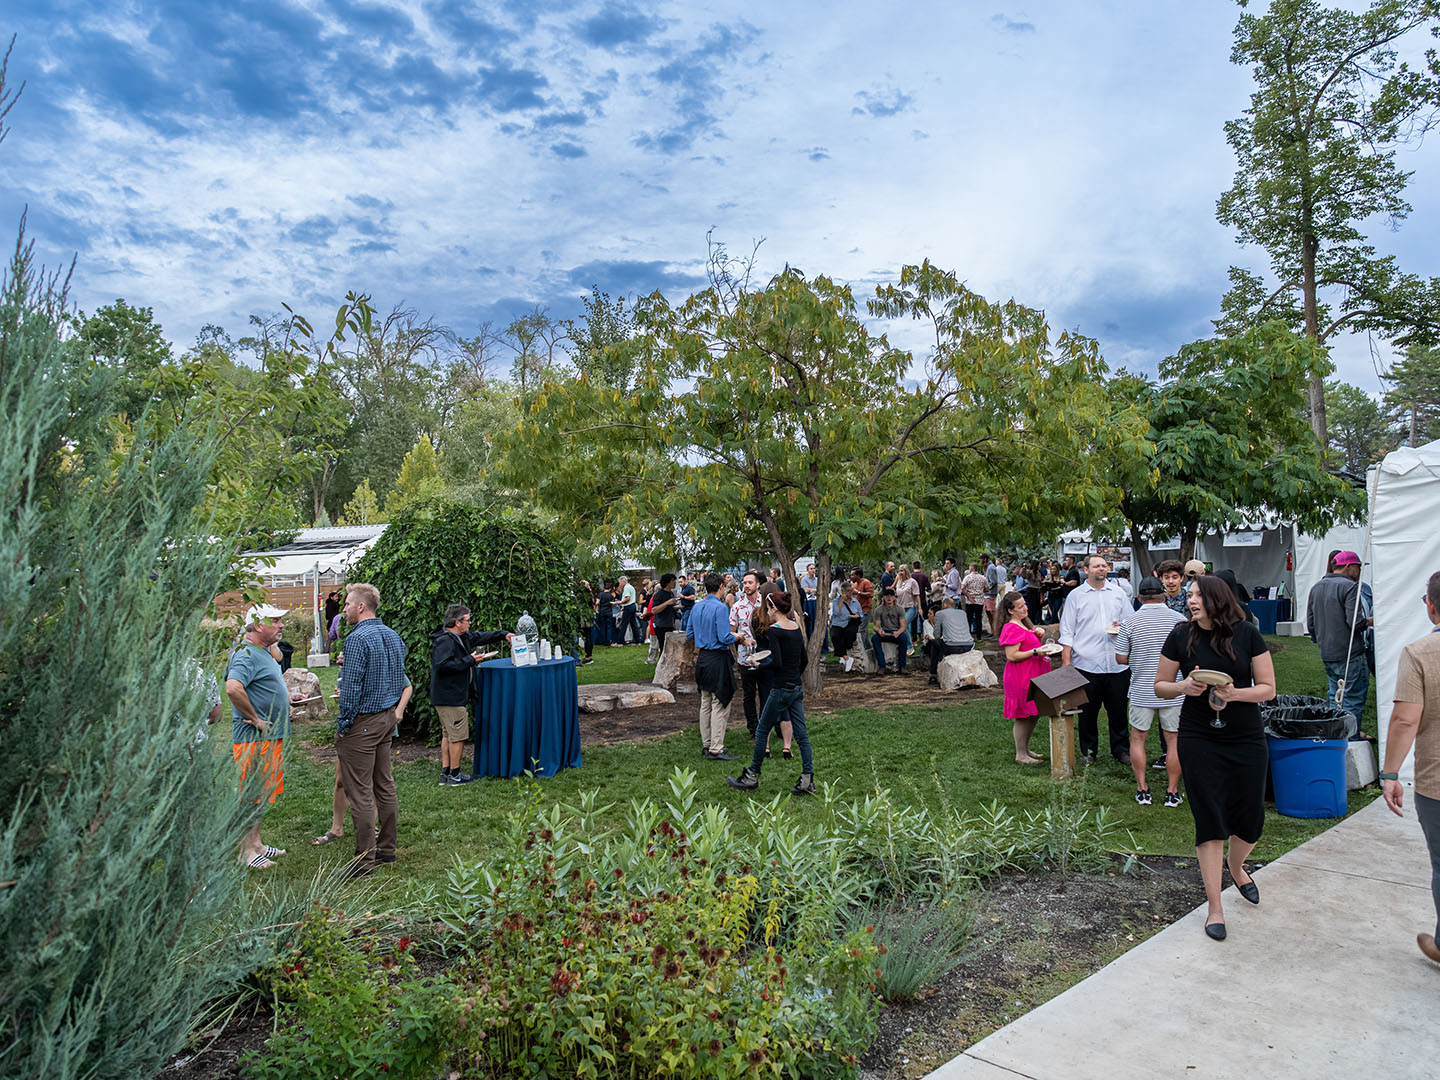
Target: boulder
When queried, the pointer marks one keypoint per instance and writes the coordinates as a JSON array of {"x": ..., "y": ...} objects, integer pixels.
[
  {"x": 607, "y": 697},
  {"x": 305, "y": 684},
  {"x": 965, "y": 669},
  {"x": 677, "y": 665},
  {"x": 864, "y": 658}
]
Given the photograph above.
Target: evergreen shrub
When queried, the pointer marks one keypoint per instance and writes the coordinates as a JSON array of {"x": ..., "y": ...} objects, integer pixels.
[
  {"x": 438, "y": 553},
  {"x": 118, "y": 835}
]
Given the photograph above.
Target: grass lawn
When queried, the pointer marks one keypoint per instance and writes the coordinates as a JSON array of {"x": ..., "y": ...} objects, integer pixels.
[{"x": 958, "y": 754}]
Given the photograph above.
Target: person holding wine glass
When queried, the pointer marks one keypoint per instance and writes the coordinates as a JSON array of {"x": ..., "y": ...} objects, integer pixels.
[{"x": 1221, "y": 666}]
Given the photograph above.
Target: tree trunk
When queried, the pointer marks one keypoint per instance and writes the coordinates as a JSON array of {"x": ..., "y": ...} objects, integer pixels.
[
  {"x": 814, "y": 648},
  {"x": 1315, "y": 393},
  {"x": 1188, "y": 536},
  {"x": 1139, "y": 555}
]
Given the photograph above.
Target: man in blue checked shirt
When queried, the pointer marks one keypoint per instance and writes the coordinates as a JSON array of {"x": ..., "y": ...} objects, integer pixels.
[{"x": 372, "y": 682}]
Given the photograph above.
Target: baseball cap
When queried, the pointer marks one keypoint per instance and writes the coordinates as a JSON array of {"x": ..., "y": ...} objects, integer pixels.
[
  {"x": 1347, "y": 558},
  {"x": 1151, "y": 586},
  {"x": 1194, "y": 568},
  {"x": 263, "y": 611}
]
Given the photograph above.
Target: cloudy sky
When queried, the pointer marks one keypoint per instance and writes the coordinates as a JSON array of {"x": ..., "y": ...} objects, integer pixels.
[{"x": 214, "y": 158}]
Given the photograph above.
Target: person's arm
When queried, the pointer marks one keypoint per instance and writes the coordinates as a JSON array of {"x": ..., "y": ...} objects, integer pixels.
[
  {"x": 235, "y": 691},
  {"x": 352, "y": 676},
  {"x": 451, "y": 659},
  {"x": 1014, "y": 653},
  {"x": 404, "y": 701},
  {"x": 1166, "y": 685},
  {"x": 1399, "y": 738},
  {"x": 1067, "y": 632},
  {"x": 1310, "y": 617}
]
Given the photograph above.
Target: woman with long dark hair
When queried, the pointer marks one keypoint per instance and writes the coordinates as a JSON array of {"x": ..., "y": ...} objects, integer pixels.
[
  {"x": 1222, "y": 739},
  {"x": 786, "y": 703}
]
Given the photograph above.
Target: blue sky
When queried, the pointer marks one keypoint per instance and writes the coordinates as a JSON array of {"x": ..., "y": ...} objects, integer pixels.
[{"x": 214, "y": 159}]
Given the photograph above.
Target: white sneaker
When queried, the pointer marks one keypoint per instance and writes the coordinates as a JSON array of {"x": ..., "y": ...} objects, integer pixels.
[{"x": 847, "y": 661}]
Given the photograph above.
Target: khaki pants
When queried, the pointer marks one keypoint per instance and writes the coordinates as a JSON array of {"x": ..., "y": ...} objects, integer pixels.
[
  {"x": 713, "y": 718},
  {"x": 364, "y": 753}
]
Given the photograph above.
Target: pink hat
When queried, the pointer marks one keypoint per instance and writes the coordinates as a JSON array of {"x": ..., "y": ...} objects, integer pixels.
[{"x": 1346, "y": 558}]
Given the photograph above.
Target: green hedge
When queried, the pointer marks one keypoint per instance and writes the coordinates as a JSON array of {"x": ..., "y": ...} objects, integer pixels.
[{"x": 438, "y": 553}]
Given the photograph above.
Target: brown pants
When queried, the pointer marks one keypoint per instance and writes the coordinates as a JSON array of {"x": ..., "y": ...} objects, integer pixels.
[{"x": 364, "y": 753}]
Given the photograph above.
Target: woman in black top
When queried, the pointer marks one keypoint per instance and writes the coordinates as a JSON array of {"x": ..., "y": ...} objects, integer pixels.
[
  {"x": 786, "y": 703},
  {"x": 662, "y": 611},
  {"x": 1224, "y": 765},
  {"x": 604, "y": 617}
]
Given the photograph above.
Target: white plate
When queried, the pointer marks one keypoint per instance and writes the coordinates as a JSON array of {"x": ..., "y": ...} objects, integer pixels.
[
  {"x": 1112, "y": 630},
  {"x": 1212, "y": 678},
  {"x": 1051, "y": 649},
  {"x": 487, "y": 656},
  {"x": 756, "y": 657}
]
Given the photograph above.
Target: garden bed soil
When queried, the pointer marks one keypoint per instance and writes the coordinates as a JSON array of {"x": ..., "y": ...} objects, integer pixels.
[{"x": 1034, "y": 937}]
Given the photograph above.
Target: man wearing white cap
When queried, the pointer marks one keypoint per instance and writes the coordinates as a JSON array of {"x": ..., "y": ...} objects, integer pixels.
[
  {"x": 261, "y": 719},
  {"x": 1337, "y": 623}
]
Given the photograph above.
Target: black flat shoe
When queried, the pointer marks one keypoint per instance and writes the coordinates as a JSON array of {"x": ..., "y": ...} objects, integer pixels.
[
  {"x": 1215, "y": 930},
  {"x": 1250, "y": 891}
]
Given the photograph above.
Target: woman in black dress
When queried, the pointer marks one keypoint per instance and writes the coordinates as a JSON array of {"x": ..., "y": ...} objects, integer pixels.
[{"x": 1222, "y": 740}]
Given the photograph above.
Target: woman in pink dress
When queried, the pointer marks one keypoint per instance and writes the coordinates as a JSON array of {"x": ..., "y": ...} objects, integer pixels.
[{"x": 1022, "y": 663}]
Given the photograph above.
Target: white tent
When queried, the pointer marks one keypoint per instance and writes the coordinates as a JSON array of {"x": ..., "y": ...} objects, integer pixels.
[
  {"x": 1310, "y": 555},
  {"x": 1404, "y": 551}
]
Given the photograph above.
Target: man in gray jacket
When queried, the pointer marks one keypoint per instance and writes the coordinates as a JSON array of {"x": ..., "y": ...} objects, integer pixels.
[{"x": 1337, "y": 624}]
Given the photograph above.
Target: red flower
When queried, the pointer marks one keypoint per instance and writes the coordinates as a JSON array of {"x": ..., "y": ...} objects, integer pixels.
[{"x": 403, "y": 944}]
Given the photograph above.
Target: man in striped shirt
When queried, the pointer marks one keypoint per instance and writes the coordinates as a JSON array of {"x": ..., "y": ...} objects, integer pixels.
[{"x": 1142, "y": 635}]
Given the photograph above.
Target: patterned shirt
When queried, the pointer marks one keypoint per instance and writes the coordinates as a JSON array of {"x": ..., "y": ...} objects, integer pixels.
[
  {"x": 740, "y": 622},
  {"x": 1179, "y": 603},
  {"x": 373, "y": 675}
]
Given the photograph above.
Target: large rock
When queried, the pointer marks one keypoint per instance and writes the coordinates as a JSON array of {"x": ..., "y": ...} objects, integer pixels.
[
  {"x": 864, "y": 658},
  {"x": 305, "y": 684},
  {"x": 965, "y": 669},
  {"x": 676, "y": 667},
  {"x": 607, "y": 697}
]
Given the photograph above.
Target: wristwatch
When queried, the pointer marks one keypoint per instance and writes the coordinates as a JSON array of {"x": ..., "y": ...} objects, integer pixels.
[{"x": 1389, "y": 776}]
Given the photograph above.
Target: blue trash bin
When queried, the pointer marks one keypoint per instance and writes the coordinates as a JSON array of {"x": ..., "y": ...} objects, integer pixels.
[{"x": 1309, "y": 776}]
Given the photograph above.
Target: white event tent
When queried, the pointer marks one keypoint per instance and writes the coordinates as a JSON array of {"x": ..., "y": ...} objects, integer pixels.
[{"x": 1403, "y": 551}]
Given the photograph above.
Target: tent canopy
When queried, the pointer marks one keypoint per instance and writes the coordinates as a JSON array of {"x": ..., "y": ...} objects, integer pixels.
[{"x": 1404, "y": 509}]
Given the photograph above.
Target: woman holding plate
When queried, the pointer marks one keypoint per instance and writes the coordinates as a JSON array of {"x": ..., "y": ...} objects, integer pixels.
[
  {"x": 1224, "y": 670},
  {"x": 785, "y": 659},
  {"x": 1025, "y": 658}
]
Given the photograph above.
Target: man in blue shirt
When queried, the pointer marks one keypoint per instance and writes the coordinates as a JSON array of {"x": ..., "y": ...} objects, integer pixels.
[
  {"x": 372, "y": 685},
  {"x": 709, "y": 629}
]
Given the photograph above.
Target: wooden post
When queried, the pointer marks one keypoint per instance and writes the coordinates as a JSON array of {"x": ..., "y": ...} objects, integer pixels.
[{"x": 1062, "y": 746}]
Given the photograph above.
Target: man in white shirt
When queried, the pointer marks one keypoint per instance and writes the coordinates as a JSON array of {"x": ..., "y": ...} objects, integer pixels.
[
  {"x": 995, "y": 576},
  {"x": 952, "y": 582},
  {"x": 972, "y": 592},
  {"x": 1088, "y": 625},
  {"x": 628, "y": 621}
]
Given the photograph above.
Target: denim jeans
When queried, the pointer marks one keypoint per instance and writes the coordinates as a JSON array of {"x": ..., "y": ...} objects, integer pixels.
[
  {"x": 902, "y": 645},
  {"x": 784, "y": 703},
  {"x": 1357, "y": 683},
  {"x": 603, "y": 627}
]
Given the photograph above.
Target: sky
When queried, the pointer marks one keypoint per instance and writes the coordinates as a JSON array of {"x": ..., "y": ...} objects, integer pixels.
[{"x": 213, "y": 159}]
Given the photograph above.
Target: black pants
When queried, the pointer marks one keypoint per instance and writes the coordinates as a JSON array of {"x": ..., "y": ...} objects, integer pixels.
[
  {"x": 750, "y": 689},
  {"x": 976, "y": 614},
  {"x": 628, "y": 624},
  {"x": 587, "y": 632},
  {"x": 660, "y": 633},
  {"x": 1111, "y": 690},
  {"x": 938, "y": 650},
  {"x": 843, "y": 637}
]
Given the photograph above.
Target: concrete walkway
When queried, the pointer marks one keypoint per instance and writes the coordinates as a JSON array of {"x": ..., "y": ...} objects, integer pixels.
[{"x": 1322, "y": 980}]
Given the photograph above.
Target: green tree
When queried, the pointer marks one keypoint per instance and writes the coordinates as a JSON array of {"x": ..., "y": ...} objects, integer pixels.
[
  {"x": 419, "y": 477},
  {"x": 128, "y": 341},
  {"x": 1360, "y": 431},
  {"x": 435, "y": 553},
  {"x": 1414, "y": 394},
  {"x": 1316, "y": 153},
  {"x": 535, "y": 340},
  {"x": 603, "y": 325},
  {"x": 773, "y": 421},
  {"x": 1230, "y": 440},
  {"x": 469, "y": 455},
  {"x": 363, "y": 508}
]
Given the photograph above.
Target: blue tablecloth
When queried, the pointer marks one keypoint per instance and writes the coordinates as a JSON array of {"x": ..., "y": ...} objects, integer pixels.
[
  {"x": 1269, "y": 612},
  {"x": 526, "y": 718}
]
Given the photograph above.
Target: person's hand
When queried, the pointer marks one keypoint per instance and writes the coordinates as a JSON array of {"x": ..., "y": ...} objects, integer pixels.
[
  {"x": 509, "y": 638},
  {"x": 1227, "y": 693},
  {"x": 1394, "y": 794},
  {"x": 262, "y": 726},
  {"x": 399, "y": 714},
  {"x": 1192, "y": 687},
  {"x": 476, "y": 655}
]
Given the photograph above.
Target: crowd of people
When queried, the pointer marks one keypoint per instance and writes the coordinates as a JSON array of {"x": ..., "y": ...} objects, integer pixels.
[{"x": 1180, "y": 652}]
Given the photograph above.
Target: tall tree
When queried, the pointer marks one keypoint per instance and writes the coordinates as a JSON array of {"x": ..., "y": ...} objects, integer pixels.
[
  {"x": 772, "y": 420},
  {"x": 604, "y": 324},
  {"x": 1414, "y": 394},
  {"x": 363, "y": 508},
  {"x": 1360, "y": 431},
  {"x": 1316, "y": 154},
  {"x": 419, "y": 477},
  {"x": 535, "y": 340}
]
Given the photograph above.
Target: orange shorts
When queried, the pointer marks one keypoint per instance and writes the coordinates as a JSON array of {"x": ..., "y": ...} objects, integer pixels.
[{"x": 271, "y": 764}]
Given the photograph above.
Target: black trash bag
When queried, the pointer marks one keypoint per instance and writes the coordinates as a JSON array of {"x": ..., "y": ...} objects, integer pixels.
[{"x": 1295, "y": 716}]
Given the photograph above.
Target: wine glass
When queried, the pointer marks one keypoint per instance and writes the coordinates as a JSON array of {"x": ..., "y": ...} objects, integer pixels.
[{"x": 1216, "y": 703}]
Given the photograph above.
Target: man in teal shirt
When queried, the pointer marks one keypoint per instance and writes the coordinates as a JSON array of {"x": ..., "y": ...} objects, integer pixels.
[{"x": 261, "y": 718}]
